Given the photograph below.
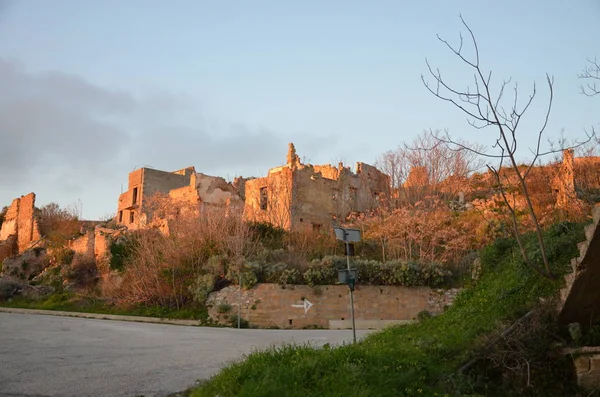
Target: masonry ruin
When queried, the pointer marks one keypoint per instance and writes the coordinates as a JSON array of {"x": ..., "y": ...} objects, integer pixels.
[
  {"x": 303, "y": 196},
  {"x": 20, "y": 229},
  {"x": 137, "y": 206},
  {"x": 578, "y": 180}
]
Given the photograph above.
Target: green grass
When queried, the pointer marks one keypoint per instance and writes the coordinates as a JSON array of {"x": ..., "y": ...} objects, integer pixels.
[
  {"x": 419, "y": 359},
  {"x": 71, "y": 303}
]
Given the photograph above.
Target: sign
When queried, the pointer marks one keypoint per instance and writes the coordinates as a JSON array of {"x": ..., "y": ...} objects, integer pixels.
[
  {"x": 306, "y": 305},
  {"x": 347, "y": 235}
]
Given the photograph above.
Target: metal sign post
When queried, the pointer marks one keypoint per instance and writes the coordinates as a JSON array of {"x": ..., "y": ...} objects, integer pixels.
[{"x": 349, "y": 236}]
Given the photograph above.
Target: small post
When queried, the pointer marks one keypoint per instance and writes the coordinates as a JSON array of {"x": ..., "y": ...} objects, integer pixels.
[
  {"x": 239, "y": 316},
  {"x": 349, "y": 236},
  {"x": 351, "y": 285}
]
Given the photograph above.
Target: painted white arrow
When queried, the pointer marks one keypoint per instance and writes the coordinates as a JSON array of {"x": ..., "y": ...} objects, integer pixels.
[{"x": 305, "y": 305}]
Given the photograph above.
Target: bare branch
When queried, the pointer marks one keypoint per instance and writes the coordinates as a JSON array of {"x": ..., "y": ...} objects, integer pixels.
[
  {"x": 484, "y": 109},
  {"x": 591, "y": 73}
]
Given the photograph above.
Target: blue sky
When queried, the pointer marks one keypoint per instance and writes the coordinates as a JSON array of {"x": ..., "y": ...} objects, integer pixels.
[{"x": 91, "y": 90}]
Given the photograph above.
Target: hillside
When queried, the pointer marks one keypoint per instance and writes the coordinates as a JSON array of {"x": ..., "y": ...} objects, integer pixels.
[{"x": 425, "y": 358}]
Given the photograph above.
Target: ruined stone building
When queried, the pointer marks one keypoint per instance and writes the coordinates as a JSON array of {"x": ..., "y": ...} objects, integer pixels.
[
  {"x": 147, "y": 186},
  {"x": 578, "y": 179},
  {"x": 304, "y": 196},
  {"x": 20, "y": 229}
]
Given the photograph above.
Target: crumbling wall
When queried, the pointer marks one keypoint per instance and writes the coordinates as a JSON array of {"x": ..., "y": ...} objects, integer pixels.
[
  {"x": 213, "y": 190},
  {"x": 83, "y": 245},
  {"x": 103, "y": 238},
  {"x": 566, "y": 181},
  {"x": 269, "y": 199},
  {"x": 21, "y": 221},
  {"x": 318, "y": 202},
  {"x": 151, "y": 192},
  {"x": 314, "y": 197},
  {"x": 580, "y": 298},
  {"x": 135, "y": 205},
  {"x": 9, "y": 226}
]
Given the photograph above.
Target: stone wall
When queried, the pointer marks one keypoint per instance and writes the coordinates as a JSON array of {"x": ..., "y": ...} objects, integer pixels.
[
  {"x": 303, "y": 196},
  {"x": 152, "y": 194},
  {"x": 84, "y": 245},
  {"x": 301, "y": 306},
  {"x": 275, "y": 208},
  {"x": 21, "y": 221},
  {"x": 580, "y": 298},
  {"x": 133, "y": 209},
  {"x": 9, "y": 226},
  {"x": 95, "y": 243}
]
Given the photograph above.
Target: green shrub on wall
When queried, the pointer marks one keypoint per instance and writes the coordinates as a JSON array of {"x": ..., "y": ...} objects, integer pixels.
[{"x": 370, "y": 272}]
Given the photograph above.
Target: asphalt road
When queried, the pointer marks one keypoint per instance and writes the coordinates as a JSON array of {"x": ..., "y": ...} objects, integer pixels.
[{"x": 60, "y": 356}]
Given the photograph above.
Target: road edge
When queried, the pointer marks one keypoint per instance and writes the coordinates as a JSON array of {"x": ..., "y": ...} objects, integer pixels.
[{"x": 99, "y": 316}]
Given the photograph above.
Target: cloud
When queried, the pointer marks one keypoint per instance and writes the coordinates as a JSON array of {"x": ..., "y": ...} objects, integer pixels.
[
  {"x": 55, "y": 119},
  {"x": 69, "y": 138}
]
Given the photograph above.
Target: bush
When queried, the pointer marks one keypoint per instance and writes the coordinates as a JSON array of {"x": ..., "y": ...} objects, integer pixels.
[
  {"x": 63, "y": 255},
  {"x": 290, "y": 276},
  {"x": 82, "y": 273},
  {"x": 233, "y": 320},
  {"x": 203, "y": 287},
  {"x": 249, "y": 279},
  {"x": 320, "y": 275},
  {"x": 268, "y": 235},
  {"x": 119, "y": 253}
]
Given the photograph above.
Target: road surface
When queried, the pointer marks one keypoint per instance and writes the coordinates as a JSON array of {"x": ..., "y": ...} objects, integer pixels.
[{"x": 61, "y": 356}]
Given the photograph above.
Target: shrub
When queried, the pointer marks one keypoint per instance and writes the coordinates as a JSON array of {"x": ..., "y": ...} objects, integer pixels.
[
  {"x": 233, "y": 320},
  {"x": 224, "y": 308},
  {"x": 249, "y": 279},
  {"x": 268, "y": 235},
  {"x": 290, "y": 276},
  {"x": 63, "y": 255},
  {"x": 204, "y": 285},
  {"x": 119, "y": 253},
  {"x": 319, "y": 275},
  {"x": 82, "y": 273}
]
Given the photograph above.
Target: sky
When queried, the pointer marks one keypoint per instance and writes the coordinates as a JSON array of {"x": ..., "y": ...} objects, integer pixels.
[{"x": 91, "y": 90}]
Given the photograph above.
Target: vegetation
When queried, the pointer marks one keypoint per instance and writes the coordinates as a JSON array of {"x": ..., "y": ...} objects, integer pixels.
[
  {"x": 70, "y": 302},
  {"x": 425, "y": 358}
]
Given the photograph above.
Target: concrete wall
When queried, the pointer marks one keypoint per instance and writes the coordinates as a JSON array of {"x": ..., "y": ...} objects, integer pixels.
[{"x": 270, "y": 305}]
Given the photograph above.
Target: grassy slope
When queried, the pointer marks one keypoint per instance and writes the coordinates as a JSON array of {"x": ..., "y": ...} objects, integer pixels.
[{"x": 408, "y": 360}]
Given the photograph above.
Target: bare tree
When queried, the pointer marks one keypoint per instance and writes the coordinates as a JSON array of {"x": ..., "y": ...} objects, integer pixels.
[
  {"x": 426, "y": 150},
  {"x": 591, "y": 74},
  {"x": 486, "y": 109},
  {"x": 393, "y": 163},
  {"x": 426, "y": 164}
]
